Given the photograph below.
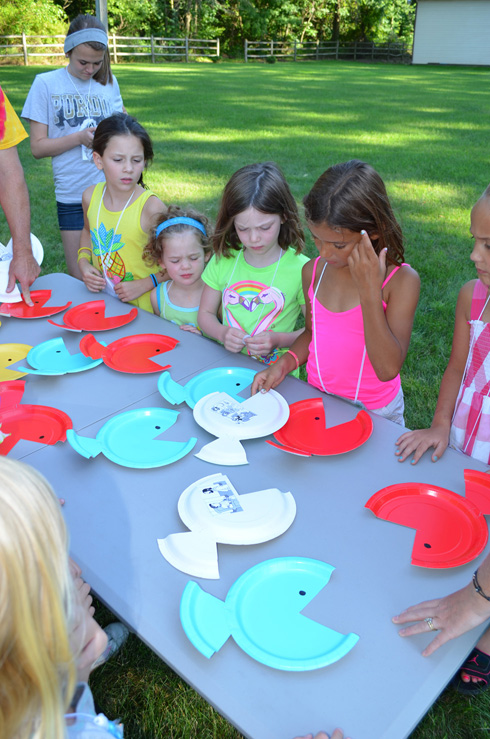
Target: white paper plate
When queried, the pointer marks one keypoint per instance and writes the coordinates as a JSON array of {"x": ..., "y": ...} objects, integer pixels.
[{"x": 227, "y": 418}]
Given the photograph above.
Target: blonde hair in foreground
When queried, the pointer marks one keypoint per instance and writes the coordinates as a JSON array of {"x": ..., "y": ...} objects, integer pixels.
[{"x": 37, "y": 669}]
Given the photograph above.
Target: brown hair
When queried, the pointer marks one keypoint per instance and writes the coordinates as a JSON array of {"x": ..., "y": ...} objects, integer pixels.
[
  {"x": 263, "y": 187},
  {"x": 122, "y": 124},
  {"x": 153, "y": 251},
  {"x": 352, "y": 195},
  {"x": 104, "y": 74}
]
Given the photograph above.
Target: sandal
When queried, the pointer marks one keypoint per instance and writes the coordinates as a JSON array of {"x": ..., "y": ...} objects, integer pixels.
[{"x": 477, "y": 665}]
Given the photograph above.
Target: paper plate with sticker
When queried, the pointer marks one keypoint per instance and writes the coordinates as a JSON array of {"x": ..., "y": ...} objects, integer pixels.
[
  {"x": 215, "y": 513},
  {"x": 232, "y": 420},
  {"x": 39, "y": 298}
]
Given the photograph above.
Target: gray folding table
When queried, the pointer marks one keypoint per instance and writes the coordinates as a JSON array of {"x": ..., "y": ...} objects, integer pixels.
[{"x": 383, "y": 686}]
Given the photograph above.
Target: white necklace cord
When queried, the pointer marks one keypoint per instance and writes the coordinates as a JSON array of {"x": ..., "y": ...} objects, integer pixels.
[{"x": 102, "y": 253}]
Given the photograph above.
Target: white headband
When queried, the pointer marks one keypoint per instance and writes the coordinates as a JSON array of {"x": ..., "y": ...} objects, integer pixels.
[{"x": 83, "y": 36}]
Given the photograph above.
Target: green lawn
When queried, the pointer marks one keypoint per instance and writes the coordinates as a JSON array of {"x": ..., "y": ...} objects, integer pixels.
[{"x": 425, "y": 129}]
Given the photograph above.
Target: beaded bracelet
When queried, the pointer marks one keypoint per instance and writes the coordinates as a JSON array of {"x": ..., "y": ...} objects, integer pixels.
[
  {"x": 295, "y": 357},
  {"x": 477, "y": 586}
]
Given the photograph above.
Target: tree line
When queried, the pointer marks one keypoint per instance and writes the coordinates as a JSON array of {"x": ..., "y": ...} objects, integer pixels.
[{"x": 232, "y": 21}]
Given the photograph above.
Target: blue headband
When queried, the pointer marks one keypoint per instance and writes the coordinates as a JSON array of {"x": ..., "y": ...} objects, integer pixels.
[
  {"x": 175, "y": 221},
  {"x": 84, "y": 36}
]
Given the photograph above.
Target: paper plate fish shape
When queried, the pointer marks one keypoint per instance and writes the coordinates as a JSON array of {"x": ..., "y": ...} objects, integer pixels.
[
  {"x": 450, "y": 530},
  {"x": 232, "y": 419},
  {"x": 38, "y": 310},
  {"x": 133, "y": 354},
  {"x": 38, "y": 423},
  {"x": 231, "y": 380},
  {"x": 131, "y": 439},
  {"x": 91, "y": 317},
  {"x": 9, "y": 354},
  {"x": 53, "y": 358},
  {"x": 305, "y": 434},
  {"x": 215, "y": 513},
  {"x": 262, "y": 612},
  {"x": 6, "y": 256}
]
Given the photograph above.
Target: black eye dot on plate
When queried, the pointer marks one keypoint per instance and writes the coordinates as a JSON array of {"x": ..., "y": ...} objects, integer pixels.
[
  {"x": 302, "y": 592},
  {"x": 42, "y": 437},
  {"x": 97, "y": 312},
  {"x": 428, "y": 546},
  {"x": 157, "y": 350},
  {"x": 58, "y": 351},
  {"x": 158, "y": 427},
  {"x": 237, "y": 384},
  {"x": 317, "y": 418}
]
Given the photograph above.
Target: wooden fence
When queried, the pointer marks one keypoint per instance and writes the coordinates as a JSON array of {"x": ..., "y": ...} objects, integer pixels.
[
  {"x": 127, "y": 48},
  {"x": 158, "y": 48},
  {"x": 320, "y": 50}
]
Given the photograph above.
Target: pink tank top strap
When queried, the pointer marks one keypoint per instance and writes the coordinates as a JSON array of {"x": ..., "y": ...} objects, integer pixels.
[
  {"x": 393, "y": 272},
  {"x": 314, "y": 272},
  {"x": 480, "y": 293}
]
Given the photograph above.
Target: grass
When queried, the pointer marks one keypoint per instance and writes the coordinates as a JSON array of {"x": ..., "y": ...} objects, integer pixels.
[{"x": 425, "y": 129}]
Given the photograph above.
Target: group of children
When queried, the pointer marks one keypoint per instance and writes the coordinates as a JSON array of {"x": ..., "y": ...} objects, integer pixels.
[{"x": 246, "y": 283}]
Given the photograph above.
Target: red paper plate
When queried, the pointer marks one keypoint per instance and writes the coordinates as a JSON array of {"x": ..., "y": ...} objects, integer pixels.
[
  {"x": 305, "y": 433},
  {"x": 22, "y": 310},
  {"x": 91, "y": 317},
  {"x": 451, "y": 530},
  {"x": 130, "y": 354},
  {"x": 39, "y": 423}
]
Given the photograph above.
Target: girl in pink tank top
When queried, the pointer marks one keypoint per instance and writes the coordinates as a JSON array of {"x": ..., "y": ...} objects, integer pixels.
[{"x": 360, "y": 295}]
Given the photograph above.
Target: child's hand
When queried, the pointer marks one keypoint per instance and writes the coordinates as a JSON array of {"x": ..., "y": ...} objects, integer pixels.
[
  {"x": 86, "y": 136},
  {"x": 261, "y": 344},
  {"x": 92, "y": 278},
  {"x": 366, "y": 267},
  {"x": 419, "y": 441},
  {"x": 191, "y": 329},
  {"x": 130, "y": 290},
  {"x": 270, "y": 377},
  {"x": 234, "y": 339}
]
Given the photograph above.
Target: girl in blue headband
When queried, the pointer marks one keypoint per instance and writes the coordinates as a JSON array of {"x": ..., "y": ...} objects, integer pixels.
[
  {"x": 64, "y": 107},
  {"x": 180, "y": 245}
]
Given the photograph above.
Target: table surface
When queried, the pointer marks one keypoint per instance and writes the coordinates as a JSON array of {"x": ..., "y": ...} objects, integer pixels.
[{"x": 382, "y": 687}]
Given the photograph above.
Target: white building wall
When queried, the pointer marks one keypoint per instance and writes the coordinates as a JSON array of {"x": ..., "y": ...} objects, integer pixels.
[{"x": 452, "y": 32}]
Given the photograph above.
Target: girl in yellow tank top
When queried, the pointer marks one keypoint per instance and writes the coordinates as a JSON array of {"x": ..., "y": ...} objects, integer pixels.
[{"x": 118, "y": 214}]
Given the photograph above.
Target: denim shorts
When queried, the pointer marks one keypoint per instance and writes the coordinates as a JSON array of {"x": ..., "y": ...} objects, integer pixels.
[{"x": 70, "y": 216}]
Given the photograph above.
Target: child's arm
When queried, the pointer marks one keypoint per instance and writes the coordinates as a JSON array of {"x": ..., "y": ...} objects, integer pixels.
[
  {"x": 134, "y": 289},
  {"x": 42, "y": 146},
  {"x": 275, "y": 373},
  {"x": 154, "y": 301},
  {"x": 437, "y": 435},
  {"x": 91, "y": 276},
  {"x": 232, "y": 339},
  {"x": 386, "y": 333}
]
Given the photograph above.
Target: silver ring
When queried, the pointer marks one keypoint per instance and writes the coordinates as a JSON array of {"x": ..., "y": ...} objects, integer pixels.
[{"x": 430, "y": 623}]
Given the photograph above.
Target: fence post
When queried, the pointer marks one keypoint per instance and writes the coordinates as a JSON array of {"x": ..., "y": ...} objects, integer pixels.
[
  {"x": 337, "y": 49},
  {"x": 217, "y": 47},
  {"x": 187, "y": 48},
  {"x": 272, "y": 48},
  {"x": 246, "y": 50},
  {"x": 316, "y": 51},
  {"x": 114, "y": 50},
  {"x": 152, "y": 50},
  {"x": 24, "y": 48},
  {"x": 372, "y": 50},
  {"x": 294, "y": 49},
  {"x": 355, "y": 50}
]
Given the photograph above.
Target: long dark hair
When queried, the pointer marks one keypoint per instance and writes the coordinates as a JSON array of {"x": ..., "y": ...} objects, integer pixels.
[
  {"x": 104, "y": 74},
  {"x": 352, "y": 195},
  {"x": 263, "y": 187},
  {"x": 122, "y": 124}
]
